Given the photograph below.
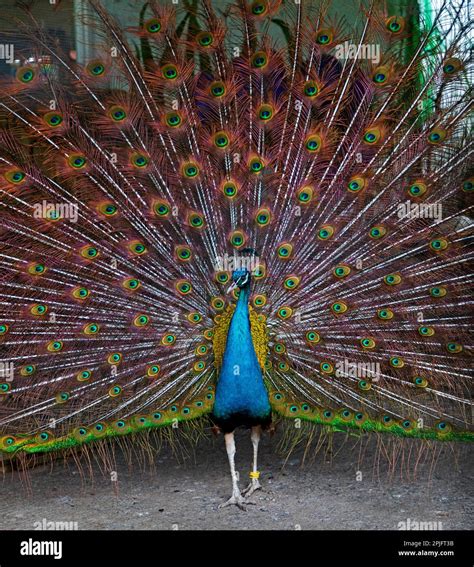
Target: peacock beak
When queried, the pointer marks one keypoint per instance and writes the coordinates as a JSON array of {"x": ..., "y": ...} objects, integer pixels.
[{"x": 232, "y": 287}]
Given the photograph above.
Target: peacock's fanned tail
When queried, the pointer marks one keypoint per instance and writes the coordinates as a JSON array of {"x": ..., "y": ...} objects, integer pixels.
[{"x": 133, "y": 183}]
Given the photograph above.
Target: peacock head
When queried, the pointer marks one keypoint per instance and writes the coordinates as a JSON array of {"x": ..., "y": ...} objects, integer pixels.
[{"x": 240, "y": 279}]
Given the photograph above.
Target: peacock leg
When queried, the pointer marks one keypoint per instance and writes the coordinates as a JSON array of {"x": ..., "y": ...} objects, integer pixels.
[
  {"x": 254, "y": 482},
  {"x": 236, "y": 497}
]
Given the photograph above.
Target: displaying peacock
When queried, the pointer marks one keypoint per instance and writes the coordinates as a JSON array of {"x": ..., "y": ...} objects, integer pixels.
[{"x": 237, "y": 214}]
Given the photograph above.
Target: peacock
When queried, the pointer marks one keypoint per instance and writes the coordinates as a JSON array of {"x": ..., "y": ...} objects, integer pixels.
[{"x": 236, "y": 214}]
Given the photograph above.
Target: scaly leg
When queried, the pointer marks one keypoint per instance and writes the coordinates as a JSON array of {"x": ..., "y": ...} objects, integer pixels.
[
  {"x": 236, "y": 497},
  {"x": 254, "y": 483}
]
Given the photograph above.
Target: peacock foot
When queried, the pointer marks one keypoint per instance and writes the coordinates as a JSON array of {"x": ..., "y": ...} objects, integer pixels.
[
  {"x": 252, "y": 487},
  {"x": 237, "y": 499}
]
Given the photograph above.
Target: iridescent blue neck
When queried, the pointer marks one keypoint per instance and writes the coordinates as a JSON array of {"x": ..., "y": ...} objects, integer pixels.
[{"x": 240, "y": 386}]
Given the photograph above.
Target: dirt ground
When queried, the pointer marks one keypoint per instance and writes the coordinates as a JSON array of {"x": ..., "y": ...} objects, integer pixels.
[{"x": 326, "y": 493}]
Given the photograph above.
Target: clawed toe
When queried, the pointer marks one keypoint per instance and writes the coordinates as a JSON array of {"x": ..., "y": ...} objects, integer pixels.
[{"x": 236, "y": 500}]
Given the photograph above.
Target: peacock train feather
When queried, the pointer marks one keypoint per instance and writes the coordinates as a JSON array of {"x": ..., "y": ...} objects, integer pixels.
[{"x": 243, "y": 214}]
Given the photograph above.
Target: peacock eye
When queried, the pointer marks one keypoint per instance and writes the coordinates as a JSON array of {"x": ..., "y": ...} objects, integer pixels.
[
  {"x": 218, "y": 89},
  {"x": 385, "y": 314},
  {"x": 38, "y": 309},
  {"x": 183, "y": 253},
  {"x": 3, "y": 329},
  {"x": 221, "y": 140},
  {"x": 28, "y": 370},
  {"x": 190, "y": 170},
  {"x": 311, "y": 89},
  {"x": 326, "y": 367},
  {"x": 438, "y": 291},
  {"x": 263, "y": 217},
  {"x": 285, "y": 312},
  {"x": 53, "y": 119},
  {"x": 115, "y": 358},
  {"x": 313, "y": 143},
  {"x": 217, "y": 303},
  {"x": 55, "y": 346},
  {"x": 139, "y": 161},
  {"x": 169, "y": 72},
  {"x": 339, "y": 307},
  {"x": 153, "y": 26},
  {"x": 377, "y": 232},
  {"x": 439, "y": 244},
  {"x": 291, "y": 282},
  {"x": 15, "y": 176},
  {"x": 341, "y": 271},
  {"x": 397, "y": 362},
  {"x": 260, "y": 300},
  {"x": 77, "y": 161},
  {"x": 324, "y": 37},
  {"x": 91, "y": 329},
  {"x": 117, "y": 113},
  {"x": 392, "y": 279},
  {"x": 95, "y": 69},
  {"x": 259, "y": 8},
  {"x": 285, "y": 251},
  {"x": 256, "y": 165},
  {"x": 312, "y": 337},
  {"x": 196, "y": 220},
  {"x": 25, "y": 74},
  {"x": 229, "y": 189},
  {"x": 395, "y": 24},
  {"x": 137, "y": 248},
  {"x": 325, "y": 232},
  {"x": 205, "y": 39},
  {"x": 183, "y": 287},
  {"x": 141, "y": 320},
  {"x": 304, "y": 195},
  {"x": 173, "y": 119},
  {"x": 259, "y": 60},
  {"x": 265, "y": 112},
  {"x": 115, "y": 391}
]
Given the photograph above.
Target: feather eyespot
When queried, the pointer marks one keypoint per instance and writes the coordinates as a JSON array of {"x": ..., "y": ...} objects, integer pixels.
[
  {"x": 305, "y": 195},
  {"x": 237, "y": 239},
  {"x": 183, "y": 253},
  {"x": 53, "y": 119},
  {"x": 138, "y": 248},
  {"x": 169, "y": 72},
  {"x": 205, "y": 39},
  {"x": 324, "y": 37},
  {"x": 285, "y": 251},
  {"x": 341, "y": 271},
  {"x": 263, "y": 217},
  {"x": 25, "y": 75},
  {"x": 395, "y": 24},
  {"x": 339, "y": 307},
  {"x": 259, "y": 60},
  {"x": 161, "y": 209},
  {"x": 80, "y": 293},
  {"x": 439, "y": 244},
  {"x": 183, "y": 287},
  {"x": 96, "y": 69},
  {"x": 15, "y": 176},
  {"x": 196, "y": 220},
  {"x": 152, "y": 26}
]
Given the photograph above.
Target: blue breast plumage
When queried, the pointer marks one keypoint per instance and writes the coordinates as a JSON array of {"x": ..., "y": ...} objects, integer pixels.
[{"x": 241, "y": 394}]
